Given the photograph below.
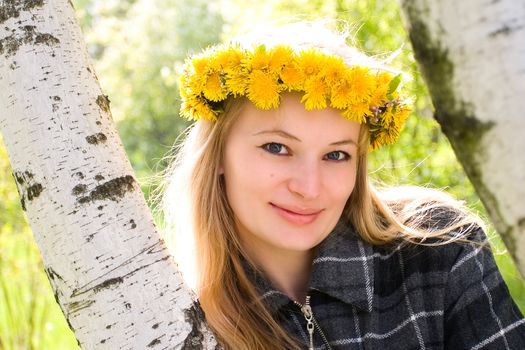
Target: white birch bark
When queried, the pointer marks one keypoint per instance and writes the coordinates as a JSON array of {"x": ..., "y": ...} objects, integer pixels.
[
  {"x": 111, "y": 273},
  {"x": 472, "y": 55}
]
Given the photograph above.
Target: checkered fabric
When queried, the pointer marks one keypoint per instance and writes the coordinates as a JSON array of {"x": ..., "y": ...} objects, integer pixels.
[{"x": 403, "y": 297}]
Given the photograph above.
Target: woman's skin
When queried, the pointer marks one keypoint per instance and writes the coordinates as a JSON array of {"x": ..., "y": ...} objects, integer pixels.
[{"x": 288, "y": 175}]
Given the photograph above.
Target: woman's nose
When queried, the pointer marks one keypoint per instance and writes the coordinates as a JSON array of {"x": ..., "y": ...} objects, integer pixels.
[{"x": 305, "y": 180}]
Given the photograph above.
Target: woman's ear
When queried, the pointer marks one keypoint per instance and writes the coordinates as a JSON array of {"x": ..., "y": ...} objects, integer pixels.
[{"x": 221, "y": 169}]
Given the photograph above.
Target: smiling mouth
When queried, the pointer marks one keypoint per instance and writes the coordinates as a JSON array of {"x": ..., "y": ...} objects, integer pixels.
[{"x": 296, "y": 216}]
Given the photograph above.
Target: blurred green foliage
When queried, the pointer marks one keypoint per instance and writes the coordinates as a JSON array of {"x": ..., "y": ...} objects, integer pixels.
[{"x": 138, "y": 47}]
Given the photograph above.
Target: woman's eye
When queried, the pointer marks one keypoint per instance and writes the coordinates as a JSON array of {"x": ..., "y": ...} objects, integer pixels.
[
  {"x": 337, "y": 156},
  {"x": 275, "y": 148}
]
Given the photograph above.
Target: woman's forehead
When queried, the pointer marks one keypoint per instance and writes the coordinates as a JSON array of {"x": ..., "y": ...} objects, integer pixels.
[{"x": 292, "y": 118}]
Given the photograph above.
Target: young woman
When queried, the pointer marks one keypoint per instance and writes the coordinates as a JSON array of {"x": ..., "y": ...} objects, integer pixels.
[{"x": 293, "y": 247}]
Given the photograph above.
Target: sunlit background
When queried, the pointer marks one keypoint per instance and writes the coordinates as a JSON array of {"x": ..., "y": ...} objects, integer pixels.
[{"x": 137, "y": 47}]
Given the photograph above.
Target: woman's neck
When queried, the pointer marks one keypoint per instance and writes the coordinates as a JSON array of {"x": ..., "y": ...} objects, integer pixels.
[{"x": 288, "y": 271}]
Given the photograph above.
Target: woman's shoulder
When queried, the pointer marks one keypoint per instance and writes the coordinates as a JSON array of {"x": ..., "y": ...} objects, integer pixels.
[{"x": 442, "y": 253}]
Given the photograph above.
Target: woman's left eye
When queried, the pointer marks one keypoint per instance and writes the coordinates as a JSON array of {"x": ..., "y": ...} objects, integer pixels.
[
  {"x": 275, "y": 148},
  {"x": 337, "y": 156}
]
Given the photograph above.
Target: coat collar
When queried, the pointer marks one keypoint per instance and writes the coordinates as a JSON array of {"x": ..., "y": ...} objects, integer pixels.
[{"x": 343, "y": 268}]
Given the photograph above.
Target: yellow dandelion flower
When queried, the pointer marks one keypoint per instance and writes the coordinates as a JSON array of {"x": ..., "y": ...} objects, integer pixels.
[
  {"x": 376, "y": 140},
  {"x": 383, "y": 78},
  {"x": 195, "y": 108},
  {"x": 378, "y": 96},
  {"x": 387, "y": 117},
  {"x": 196, "y": 83},
  {"x": 342, "y": 94},
  {"x": 263, "y": 90},
  {"x": 333, "y": 70},
  {"x": 184, "y": 85},
  {"x": 203, "y": 111},
  {"x": 362, "y": 83},
  {"x": 390, "y": 135},
  {"x": 213, "y": 90},
  {"x": 200, "y": 65},
  {"x": 401, "y": 115},
  {"x": 260, "y": 59},
  {"x": 227, "y": 59},
  {"x": 279, "y": 56},
  {"x": 310, "y": 62},
  {"x": 357, "y": 112},
  {"x": 237, "y": 83},
  {"x": 292, "y": 77},
  {"x": 218, "y": 60},
  {"x": 315, "y": 95}
]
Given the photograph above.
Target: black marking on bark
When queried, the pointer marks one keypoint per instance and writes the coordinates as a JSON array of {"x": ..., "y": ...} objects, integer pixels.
[
  {"x": 96, "y": 138},
  {"x": 22, "y": 177},
  {"x": 55, "y": 105},
  {"x": 76, "y": 306},
  {"x": 19, "y": 179},
  {"x": 127, "y": 305},
  {"x": 34, "y": 191},
  {"x": 102, "y": 341},
  {"x": 149, "y": 250},
  {"x": 133, "y": 224},
  {"x": 505, "y": 30},
  {"x": 79, "y": 174},
  {"x": 457, "y": 122},
  {"x": 99, "y": 177},
  {"x": 155, "y": 326},
  {"x": 52, "y": 274},
  {"x": 108, "y": 326},
  {"x": 154, "y": 342},
  {"x": 113, "y": 190},
  {"x": 108, "y": 283},
  {"x": 103, "y": 103},
  {"x": 27, "y": 188},
  {"x": 12, "y": 43},
  {"x": 71, "y": 327},
  {"x": 100, "y": 207},
  {"x": 195, "y": 318},
  {"x": 12, "y": 9},
  {"x": 79, "y": 189}
]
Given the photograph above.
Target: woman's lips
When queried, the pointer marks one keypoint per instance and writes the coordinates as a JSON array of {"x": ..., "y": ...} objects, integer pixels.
[{"x": 297, "y": 216}]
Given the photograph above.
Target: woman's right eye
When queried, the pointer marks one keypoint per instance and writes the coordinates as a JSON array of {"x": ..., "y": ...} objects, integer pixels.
[{"x": 275, "y": 148}]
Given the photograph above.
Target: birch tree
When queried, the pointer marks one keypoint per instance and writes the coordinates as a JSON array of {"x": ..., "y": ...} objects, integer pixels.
[
  {"x": 472, "y": 55},
  {"x": 109, "y": 268}
]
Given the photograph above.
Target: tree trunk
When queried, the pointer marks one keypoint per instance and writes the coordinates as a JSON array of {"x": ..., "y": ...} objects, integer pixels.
[
  {"x": 110, "y": 271},
  {"x": 472, "y": 55}
]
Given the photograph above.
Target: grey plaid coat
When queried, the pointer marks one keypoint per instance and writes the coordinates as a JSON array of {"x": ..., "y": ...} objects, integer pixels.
[{"x": 402, "y": 297}]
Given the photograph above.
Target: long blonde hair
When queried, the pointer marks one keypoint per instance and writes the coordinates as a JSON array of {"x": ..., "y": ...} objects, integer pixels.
[{"x": 197, "y": 210}]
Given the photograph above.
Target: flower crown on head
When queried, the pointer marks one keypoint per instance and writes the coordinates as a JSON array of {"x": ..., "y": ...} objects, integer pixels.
[{"x": 363, "y": 94}]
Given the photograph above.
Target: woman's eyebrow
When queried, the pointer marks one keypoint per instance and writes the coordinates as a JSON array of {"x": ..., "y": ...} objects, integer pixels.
[
  {"x": 344, "y": 142},
  {"x": 278, "y": 132}
]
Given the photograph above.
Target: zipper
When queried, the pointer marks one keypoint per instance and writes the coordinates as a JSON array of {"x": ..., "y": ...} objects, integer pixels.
[{"x": 311, "y": 323}]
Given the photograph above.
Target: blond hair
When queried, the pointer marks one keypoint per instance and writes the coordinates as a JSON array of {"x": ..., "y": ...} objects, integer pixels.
[{"x": 197, "y": 210}]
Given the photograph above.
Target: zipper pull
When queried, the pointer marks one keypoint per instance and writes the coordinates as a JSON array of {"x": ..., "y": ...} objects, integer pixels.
[{"x": 308, "y": 315}]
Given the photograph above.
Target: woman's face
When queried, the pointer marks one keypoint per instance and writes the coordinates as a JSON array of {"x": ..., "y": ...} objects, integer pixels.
[{"x": 288, "y": 175}]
